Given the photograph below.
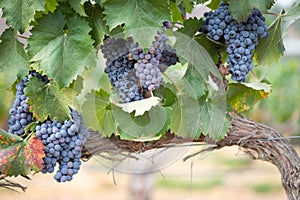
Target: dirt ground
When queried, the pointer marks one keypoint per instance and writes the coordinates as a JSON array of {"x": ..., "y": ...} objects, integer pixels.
[{"x": 223, "y": 174}]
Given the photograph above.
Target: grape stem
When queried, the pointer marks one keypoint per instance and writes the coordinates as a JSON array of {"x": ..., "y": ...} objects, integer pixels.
[
  {"x": 275, "y": 14},
  {"x": 21, "y": 36},
  {"x": 254, "y": 75}
]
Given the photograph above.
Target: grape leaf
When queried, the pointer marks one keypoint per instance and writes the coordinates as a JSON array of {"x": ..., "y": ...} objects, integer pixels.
[
  {"x": 51, "y": 5},
  {"x": 13, "y": 58},
  {"x": 140, "y": 107},
  {"x": 270, "y": 48},
  {"x": 243, "y": 96},
  {"x": 290, "y": 17},
  {"x": 213, "y": 118},
  {"x": 213, "y": 48},
  {"x": 214, "y": 4},
  {"x": 146, "y": 127},
  {"x": 176, "y": 14},
  {"x": 97, "y": 112},
  {"x": 78, "y": 6},
  {"x": 96, "y": 20},
  {"x": 240, "y": 10},
  {"x": 19, "y": 156},
  {"x": 20, "y": 13},
  {"x": 62, "y": 53},
  {"x": 190, "y": 26},
  {"x": 47, "y": 100},
  {"x": 185, "y": 119},
  {"x": 188, "y": 5},
  {"x": 142, "y": 18},
  {"x": 194, "y": 85},
  {"x": 167, "y": 92},
  {"x": 188, "y": 49}
]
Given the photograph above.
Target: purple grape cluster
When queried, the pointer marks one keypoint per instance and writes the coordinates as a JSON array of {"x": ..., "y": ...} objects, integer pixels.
[
  {"x": 19, "y": 114},
  {"x": 63, "y": 143},
  {"x": 241, "y": 38},
  {"x": 131, "y": 71}
]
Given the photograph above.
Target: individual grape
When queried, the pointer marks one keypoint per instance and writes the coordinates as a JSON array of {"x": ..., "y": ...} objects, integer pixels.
[
  {"x": 65, "y": 151},
  {"x": 19, "y": 115},
  {"x": 241, "y": 38}
]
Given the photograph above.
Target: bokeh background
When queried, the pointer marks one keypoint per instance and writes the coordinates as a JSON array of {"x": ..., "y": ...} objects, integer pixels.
[{"x": 223, "y": 174}]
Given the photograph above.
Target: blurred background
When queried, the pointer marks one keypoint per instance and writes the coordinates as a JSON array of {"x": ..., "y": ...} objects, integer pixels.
[{"x": 225, "y": 174}]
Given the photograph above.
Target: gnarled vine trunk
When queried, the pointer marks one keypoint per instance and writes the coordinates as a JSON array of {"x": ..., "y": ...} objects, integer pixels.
[
  {"x": 264, "y": 143},
  {"x": 257, "y": 140}
]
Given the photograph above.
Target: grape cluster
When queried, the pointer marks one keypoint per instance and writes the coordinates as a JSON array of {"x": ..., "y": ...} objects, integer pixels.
[
  {"x": 131, "y": 71},
  {"x": 19, "y": 114},
  {"x": 63, "y": 143},
  {"x": 241, "y": 38},
  {"x": 119, "y": 68}
]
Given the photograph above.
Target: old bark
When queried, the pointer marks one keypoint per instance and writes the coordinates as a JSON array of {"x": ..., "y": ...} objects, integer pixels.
[{"x": 257, "y": 140}]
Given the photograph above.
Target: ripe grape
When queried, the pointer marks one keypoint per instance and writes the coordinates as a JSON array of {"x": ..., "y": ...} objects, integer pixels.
[
  {"x": 63, "y": 143},
  {"x": 241, "y": 38},
  {"x": 19, "y": 114}
]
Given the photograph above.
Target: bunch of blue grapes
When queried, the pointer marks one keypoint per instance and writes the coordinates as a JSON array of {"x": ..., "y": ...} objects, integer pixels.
[
  {"x": 119, "y": 67},
  {"x": 63, "y": 143},
  {"x": 241, "y": 38},
  {"x": 133, "y": 72},
  {"x": 19, "y": 114}
]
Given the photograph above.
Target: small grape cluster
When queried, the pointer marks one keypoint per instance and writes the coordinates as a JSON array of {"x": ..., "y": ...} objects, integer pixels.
[
  {"x": 19, "y": 114},
  {"x": 63, "y": 143},
  {"x": 131, "y": 71},
  {"x": 119, "y": 68},
  {"x": 241, "y": 38}
]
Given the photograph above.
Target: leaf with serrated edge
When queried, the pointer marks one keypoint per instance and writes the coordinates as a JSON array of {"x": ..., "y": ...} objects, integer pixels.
[
  {"x": 18, "y": 156},
  {"x": 270, "y": 48},
  {"x": 97, "y": 112},
  {"x": 240, "y": 10},
  {"x": 77, "y": 5},
  {"x": 142, "y": 18},
  {"x": 13, "y": 58},
  {"x": 43, "y": 98},
  {"x": 96, "y": 20},
  {"x": 190, "y": 26},
  {"x": 62, "y": 54},
  {"x": 185, "y": 119},
  {"x": 20, "y": 13},
  {"x": 290, "y": 17},
  {"x": 140, "y": 107},
  {"x": 145, "y": 127},
  {"x": 243, "y": 96}
]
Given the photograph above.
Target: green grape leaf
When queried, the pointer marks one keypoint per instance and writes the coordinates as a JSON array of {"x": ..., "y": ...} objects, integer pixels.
[
  {"x": 188, "y": 49},
  {"x": 176, "y": 14},
  {"x": 213, "y": 48},
  {"x": 142, "y": 18},
  {"x": 214, "y": 4},
  {"x": 188, "y": 5},
  {"x": 185, "y": 119},
  {"x": 213, "y": 118},
  {"x": 13, "y": 58},
  {"x": 78, "y": 6},
  {"x": 96, "y": 20},
  {"x": 290, "y": 17},
  {"x": 19, "y": 13},
  {"x": 194, "y": 85},
  {"x": 43, "y": 98},
  {"x": 270, "y": 48},
  {"x": 19, "y": 156},
  {"x": 190, "y": 26},
  {"x": 167, "y": 94},
  {"x": 62, "y": 53},
  {"x": 243, "y": 96},
  {"x": 51, "y": 5},
  {"x": 143, "y": 128},
  {"x": 97, "y": 112},
  {"x": 77, "y": 85},
  {"x": 240, "y": 10}
]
